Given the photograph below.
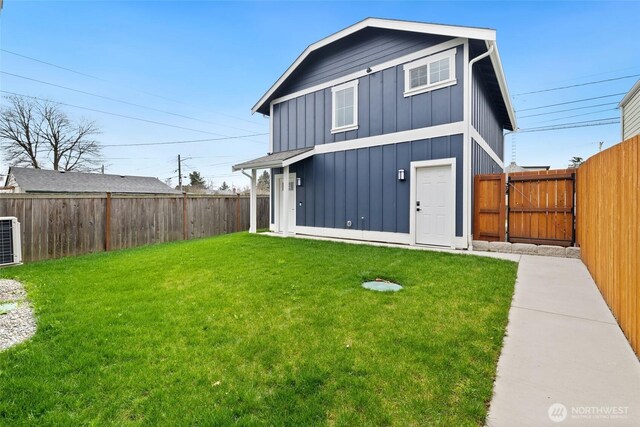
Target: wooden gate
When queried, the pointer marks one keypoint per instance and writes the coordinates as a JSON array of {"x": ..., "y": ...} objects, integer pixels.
[
  {"x": 539, "y": 207},
  {"x": 489, "y": 207}
]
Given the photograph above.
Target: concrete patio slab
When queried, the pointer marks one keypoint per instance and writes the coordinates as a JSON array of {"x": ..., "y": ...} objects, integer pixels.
[{"x": 565, "y": 361}]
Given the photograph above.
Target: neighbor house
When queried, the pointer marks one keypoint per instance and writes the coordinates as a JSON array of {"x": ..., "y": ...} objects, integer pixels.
[
  {"x": 377, "y": 131},
  {"x": 630, "y": 112},
  {"x": 514, "y": 167},
  {"x": 29, "y": 180}
]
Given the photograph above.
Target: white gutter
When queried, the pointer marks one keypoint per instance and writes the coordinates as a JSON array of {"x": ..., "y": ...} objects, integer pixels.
[{"x": 467, "y": 160}]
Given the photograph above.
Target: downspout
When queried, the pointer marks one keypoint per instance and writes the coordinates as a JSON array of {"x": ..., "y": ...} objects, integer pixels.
[{"x": 468, "y": 159}]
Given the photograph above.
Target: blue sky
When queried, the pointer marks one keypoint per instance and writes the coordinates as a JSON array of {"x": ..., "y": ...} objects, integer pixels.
[{"x": 211, "y": 61}]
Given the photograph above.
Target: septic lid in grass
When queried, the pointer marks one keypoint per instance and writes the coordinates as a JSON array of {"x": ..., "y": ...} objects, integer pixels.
[{"x": 381, "y": 286}]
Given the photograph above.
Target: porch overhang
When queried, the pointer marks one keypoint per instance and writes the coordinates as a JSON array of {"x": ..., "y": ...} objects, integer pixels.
[{"x": 276, "y": 160}]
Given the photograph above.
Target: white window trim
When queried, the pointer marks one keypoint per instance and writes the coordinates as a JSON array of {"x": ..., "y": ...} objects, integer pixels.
[
  {"x": 448, "y": 54},
  {"x": 353, "y": 84}
]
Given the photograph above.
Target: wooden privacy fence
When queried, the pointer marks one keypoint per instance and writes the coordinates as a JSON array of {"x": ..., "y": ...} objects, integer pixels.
[
  {"x": 57, "y": 225},
  {"x": 609, "y": 230},
  {"x": 537, "y": 208}
]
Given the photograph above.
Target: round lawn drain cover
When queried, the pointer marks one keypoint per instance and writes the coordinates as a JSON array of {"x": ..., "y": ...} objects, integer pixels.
[{"x": 382, "y": 286}]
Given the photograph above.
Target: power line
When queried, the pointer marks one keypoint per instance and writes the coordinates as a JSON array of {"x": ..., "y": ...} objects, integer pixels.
[
  {"x": 577, "y": 85},
  {"x": 568, "y": 109},
  {"x": 190, "y": 141},
  {"x": 571, "y": 102},
  {"x": 129, "y": 117},
  {"x": 586, "y": 123},
  {"x": 114, "y": 83},
  {"x": 118, "y": 100},
  {"x": 577, "y": 115}
]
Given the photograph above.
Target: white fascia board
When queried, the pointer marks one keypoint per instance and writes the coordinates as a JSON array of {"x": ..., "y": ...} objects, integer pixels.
[
  {"x": 299, "y": 157},
  {"x": 416, "y": 27},
  {"x": 629, "y": 95},
  {"x": 502, "y": 82},
  {"x": 486, "y": 147}
]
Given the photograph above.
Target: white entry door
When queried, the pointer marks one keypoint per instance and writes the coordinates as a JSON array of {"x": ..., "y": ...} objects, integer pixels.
[
  {"x": 281, "y": 211},
  {"x": 434, "y": 205}
]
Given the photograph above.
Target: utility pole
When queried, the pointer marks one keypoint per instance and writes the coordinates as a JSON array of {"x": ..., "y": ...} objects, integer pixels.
[
  {"x": 179, "y": 173},
  {"x": 600, "y": 145}
]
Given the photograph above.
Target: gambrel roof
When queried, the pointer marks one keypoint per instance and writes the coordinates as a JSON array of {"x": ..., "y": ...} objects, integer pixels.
[{"x": 485, "y": 35}]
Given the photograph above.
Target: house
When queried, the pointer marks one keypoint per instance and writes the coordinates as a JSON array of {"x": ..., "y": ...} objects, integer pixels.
[
  {"x": 514, "y": 167},
  {"x": 377, "y": 131},
  {"x": 28, "y": 180},
  {"x": 630, "y": 112}
]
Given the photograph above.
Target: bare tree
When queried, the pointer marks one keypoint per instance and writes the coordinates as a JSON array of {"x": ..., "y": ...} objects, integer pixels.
[
  {"x": 71, "y": 145},
  {"x": 20, "y": 132},
  {"x": 31, "y": 130}
]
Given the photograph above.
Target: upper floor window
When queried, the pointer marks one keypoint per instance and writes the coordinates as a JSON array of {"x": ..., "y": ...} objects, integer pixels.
[
  {"x": 433, "y": 72},
  {"x": 344, "y": 107}
]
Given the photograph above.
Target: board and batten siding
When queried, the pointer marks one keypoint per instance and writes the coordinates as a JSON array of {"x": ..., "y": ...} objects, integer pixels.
[
  {"x": 305, "y": 121},
  {"x": 631, "y": 117},
  {"x": 484, "y": 118},
  {"x": 366, "y": 48},
  {"x": 352, "y": 184}
]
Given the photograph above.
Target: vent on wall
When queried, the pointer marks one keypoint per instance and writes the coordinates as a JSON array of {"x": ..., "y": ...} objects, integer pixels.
[{"x": 10, "y": 249}]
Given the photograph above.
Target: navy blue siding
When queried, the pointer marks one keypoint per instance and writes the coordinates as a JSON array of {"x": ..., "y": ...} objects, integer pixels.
[
  {"x": 382, "y": 109},
  {"x": 362, "y": 186},
  {"x": 363, "y": 49},
  {"x": 484, "y": 118}
]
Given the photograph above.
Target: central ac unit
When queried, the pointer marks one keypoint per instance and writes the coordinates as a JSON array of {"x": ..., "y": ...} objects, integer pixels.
[{"x": 10, "y": 248}]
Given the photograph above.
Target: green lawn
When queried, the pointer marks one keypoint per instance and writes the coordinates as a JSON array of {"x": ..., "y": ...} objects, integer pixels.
[{"x": 256, "y": 330}]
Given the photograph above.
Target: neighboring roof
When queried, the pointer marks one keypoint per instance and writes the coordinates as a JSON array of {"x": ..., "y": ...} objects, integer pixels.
[
  {"x": 48, "y": 181},
  {"x": 513, "y": 167},
  {"x": 486, "y": 34},
  {"x": 629, "y": 95},
  {"x": 276, "y": 160}
]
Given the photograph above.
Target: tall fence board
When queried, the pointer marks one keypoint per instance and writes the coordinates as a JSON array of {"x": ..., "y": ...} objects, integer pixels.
[
  {"x": 57, "y": 225},
  {"x": 608, "y": 195}
]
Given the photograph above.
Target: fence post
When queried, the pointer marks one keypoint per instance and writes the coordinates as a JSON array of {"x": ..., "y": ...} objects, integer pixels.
[
  {"x": 238, "y": 212},
  {"x": 107, "y": 224},
  {"x": 185, "y": 225},
  {"x": 502, "y": 216}
]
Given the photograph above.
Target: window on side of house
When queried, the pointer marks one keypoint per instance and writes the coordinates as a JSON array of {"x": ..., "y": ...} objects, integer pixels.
[
  {"x": 344, "y": 107},
  {"x": 433, "y": 72}
]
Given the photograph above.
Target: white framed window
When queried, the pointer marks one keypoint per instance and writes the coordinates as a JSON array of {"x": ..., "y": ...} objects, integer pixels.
[
  {"x": 344, "y": 107},
  {"x": 433, "y": 72}
]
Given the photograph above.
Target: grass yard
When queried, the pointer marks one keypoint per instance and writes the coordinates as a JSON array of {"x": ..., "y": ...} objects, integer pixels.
[{"x": 255, "y": 330}]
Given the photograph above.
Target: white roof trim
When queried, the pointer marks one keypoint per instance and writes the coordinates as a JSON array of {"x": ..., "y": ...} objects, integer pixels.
[
  {"x": 389, "y": 24},
  {"x": 629, "y": 95},
  {"x": 502, "y": 82}
]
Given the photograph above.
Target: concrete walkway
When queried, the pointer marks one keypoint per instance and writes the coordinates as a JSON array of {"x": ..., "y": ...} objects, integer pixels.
[{"x": 564, "y": 347}]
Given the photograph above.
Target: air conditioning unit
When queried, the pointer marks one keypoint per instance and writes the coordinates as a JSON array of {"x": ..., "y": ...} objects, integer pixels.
[{"x": 10, "y": 248}]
